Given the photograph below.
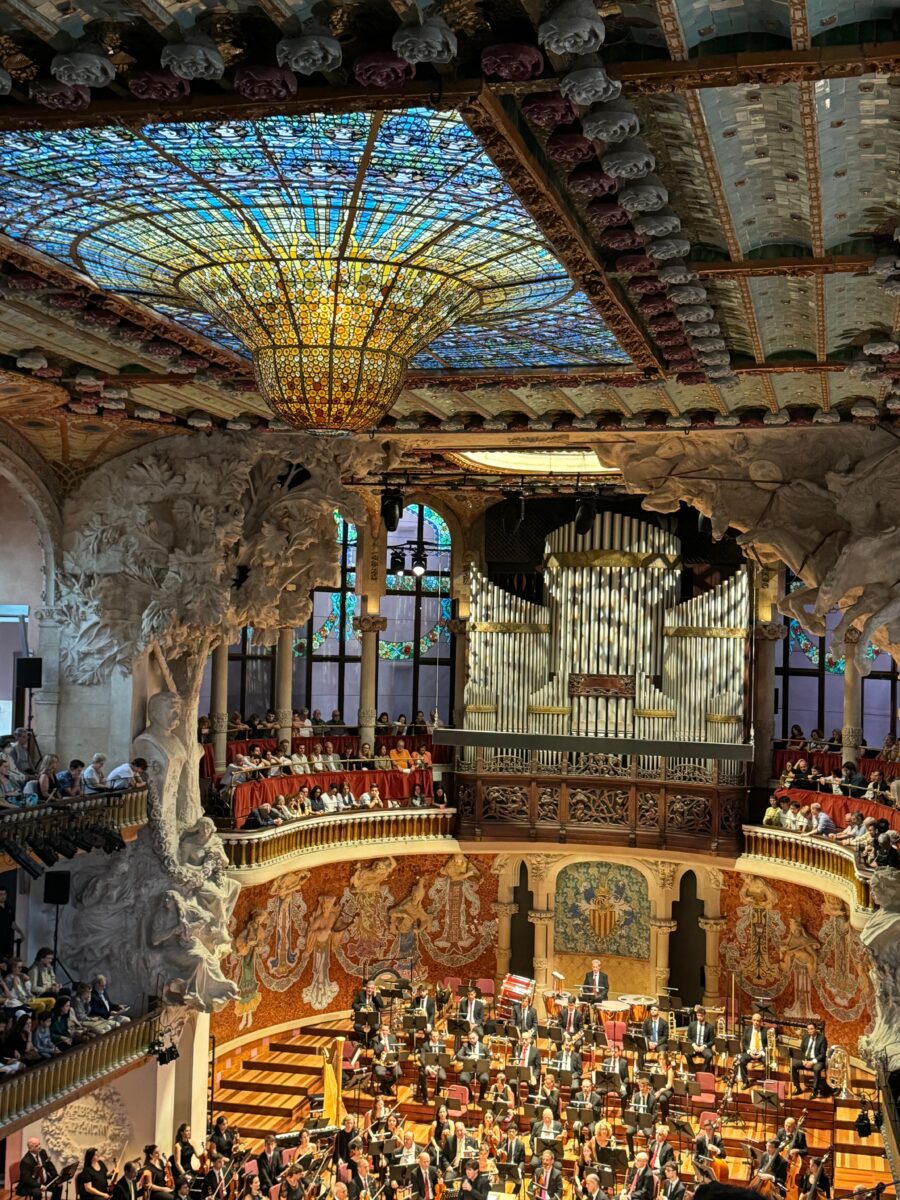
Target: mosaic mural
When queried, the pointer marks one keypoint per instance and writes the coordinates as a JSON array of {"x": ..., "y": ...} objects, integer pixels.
[
  {"x": 302, "y": 943},
  {"x": 602, "y": 908},
  {"x": 796, "y": 948}
]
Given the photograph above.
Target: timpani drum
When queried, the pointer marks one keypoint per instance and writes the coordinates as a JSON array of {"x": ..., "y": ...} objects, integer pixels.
[
  {"x": 639, "y": 1007},
  {"x": 613, "y": 1010},
  {"x": 515, "y": 989}
]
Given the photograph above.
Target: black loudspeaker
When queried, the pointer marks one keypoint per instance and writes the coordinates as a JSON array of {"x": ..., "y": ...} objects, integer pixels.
[
  {"x": 57, "y": 886},
  {"x": 29, "y": 672}
]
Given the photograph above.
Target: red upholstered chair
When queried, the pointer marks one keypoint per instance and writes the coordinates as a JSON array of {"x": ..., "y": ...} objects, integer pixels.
[
  {"x": 344, "y": 1173},
  {"x": 707, "y": 1118},
  {"x": 251, "y": 1167},
  {"x": 779, "y": 1086},
  {"x": 615, "y": 1032},
  {"x": 275, "y": 1191},
  {"x": 486, "y": 987},
  {"x": 457, "y": 1101},
  {"x": 707, "y": 1097}
]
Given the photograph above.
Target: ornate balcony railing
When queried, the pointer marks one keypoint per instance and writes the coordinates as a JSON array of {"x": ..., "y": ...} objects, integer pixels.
[
  {"x": 600, "y": 800},
  {"x": 259, "y": 847},
  {"x": 37, "y": 1089},
  {"x": 811, "y": 853},
  {"x": 115, "y": 810}
]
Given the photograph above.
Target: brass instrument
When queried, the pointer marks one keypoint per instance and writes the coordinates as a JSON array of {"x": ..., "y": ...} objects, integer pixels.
[
  {"x": 771, "y": 1051},
  {"x": 673, "y": 1025},
  {"x": 837, "y": 1074},
  {"x": 721, "y": 1034}
]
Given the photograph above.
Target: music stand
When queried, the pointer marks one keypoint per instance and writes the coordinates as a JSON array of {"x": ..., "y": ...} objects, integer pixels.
[
  {"x": 397, "y": 1173},
  {"x": 768, "y": 1102},
  {"x": 65, "y": 1177},
  {"x": 684, "y": 1129},
  {"x": 606, "y": 1174},
  {"x": 519, "y": 1073},
  {"x": 510, "y": 1172}
]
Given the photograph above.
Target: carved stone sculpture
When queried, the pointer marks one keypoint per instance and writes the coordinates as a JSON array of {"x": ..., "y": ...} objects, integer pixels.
[
  {"x": 168, "y": 552},
  {"x": 881, "y": 937}
]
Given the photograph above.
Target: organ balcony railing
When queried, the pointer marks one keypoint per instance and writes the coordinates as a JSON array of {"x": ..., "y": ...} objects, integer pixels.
[
  {"x": 598, "y": 799},
  {"x": 26, "y": 1096},
  {"x": 810, "y": 853},
  {"x": 259, "y": 847},
  {"x": 67, "y": 826}
]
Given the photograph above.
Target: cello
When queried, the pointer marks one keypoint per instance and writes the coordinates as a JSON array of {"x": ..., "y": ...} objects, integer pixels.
[{"x": 814, "y": 1191}]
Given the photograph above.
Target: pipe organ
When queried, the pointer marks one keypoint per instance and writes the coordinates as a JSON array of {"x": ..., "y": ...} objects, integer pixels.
[{"x": 612, "y": 653}]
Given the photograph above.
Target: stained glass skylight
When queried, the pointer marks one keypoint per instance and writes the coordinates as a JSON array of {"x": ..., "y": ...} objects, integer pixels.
[{"x": 334, "y": 248}]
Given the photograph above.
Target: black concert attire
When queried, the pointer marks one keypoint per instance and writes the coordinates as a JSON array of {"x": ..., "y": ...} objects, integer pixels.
[
  {"x": 639, "y": 1184},
  {"x": 525, "y": 1017},
  {"x": 757, "y": 1055},
  {"x": 814, "y": 1050},
  {"x": 158, "y": 1185},
  {"x": 640, "y": 1103},
  {"x": 473, "y": 1012},
  {"x": 660, "y": 1153},
  {"x": 548, "y": 1184},
  {"x": 426, "y": 1005},
  {"x": 434, "y": 1071},
  {"x": 477, "y": 1188},
  {"x": 587, "y": 1115},
  {"x": 514, "y": 1147},
  {"x": 269, "y": 1167},
  {"x": 656, "y": 1031},
  {"x": 549, "y": 1100},
  {"x": 366, "y": 1024},
  {"x": 774, "y": 1165},
  {"x": 98, "y": 1179},
  {"x": 469, "y": 1055},
  {"x": 387, "y": 1074},
  {"x": 296, "y": 1192},
  {"x": 35, "y": 1172},
  {"x": 541, "y": 1136},
  {"x": 125, "y": 1188},
  {"x": 181, "y": 1159},
  {"x": 530, "y": 1057},
  {"x": 362, "y": 1189},
  {"x": 568, "y": 1060},
  {"x": 595, "y": 987},
  {"x": 223, "y": 1141},
  {"x": 342, "y": 1141},
  {"x": 784, "y": 1140},
  {"x": 571, "y": 1021},
  {"x": 701, "y": 1034},
  {"x": 215, "y": 1185},
  {"x": 671, "y": 1189},
  {"x": 423, "y": 1185}
]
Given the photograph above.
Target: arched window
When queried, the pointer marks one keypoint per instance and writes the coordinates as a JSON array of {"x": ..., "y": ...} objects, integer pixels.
[{"x": 415, "y": 651}]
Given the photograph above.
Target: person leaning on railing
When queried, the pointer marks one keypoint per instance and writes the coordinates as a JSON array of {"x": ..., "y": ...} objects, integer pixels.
[{"x": 10, "y": 789}]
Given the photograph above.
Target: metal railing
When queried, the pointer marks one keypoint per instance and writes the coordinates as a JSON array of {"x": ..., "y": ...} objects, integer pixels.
[
  {"x": 255, "y": 848},
  {"x": 809, "y": 852},
  {"x": 112, "y": 810},
  {"x": 27, "y": 1095}
]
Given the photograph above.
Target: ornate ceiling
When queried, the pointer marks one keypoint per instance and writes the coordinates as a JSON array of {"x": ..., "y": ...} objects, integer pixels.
[{"x": 770, "y": 132}]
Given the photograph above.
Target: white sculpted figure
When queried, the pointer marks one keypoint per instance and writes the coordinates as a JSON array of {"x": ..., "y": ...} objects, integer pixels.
[{"x": 881, "y": 937}]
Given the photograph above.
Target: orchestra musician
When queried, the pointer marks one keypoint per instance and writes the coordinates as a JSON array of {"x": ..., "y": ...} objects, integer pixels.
[
  {"x": 671, "y": 1187},
  {"x": 823, "y": 1183},
  {"x": 591, "y": 1189},
  {"x": 525, "y": 1016},
  {"x": 596, "y": 984},
  {"x": 183, "y": 1154},
  {"x": 548, "y": 1094},
  {"x": 585, "y": 1165},
  {"x": 616, "y": 1065},
  {"x": 37, "y": 1173},
  {"x": 339, "y": 1191},
  {"x": 708, "y": 1138},
  {"x": 362, "y": 1187},
  {"x": 269, "y": 1164},
  {"x": 475, "y": 1184},
  {"x": 93, "y": 1179},
  {"x": 345, "y": 1135},
  {"x": 718, "y": 1163},
  {"x": 527, "y": 1054},
  {"x": 639, "y": 1181},
  {"x": 660, "y": 1150},
  {"x": 303, "y": 1155},
  {"x": 586, "y": 1099},
  {"x": 571, "y": 1020},
  {"x": 471, "y": 1011},
  {"x": 569, "y": 1059},
  {"x": 291, "y": 1186},
  {"x": 665, "y": 1065},
  {"x": 813, "y": 1055},
  {"x": 153, "y": 1180},
  {"x": 215, "y": 1185},
  {"x": 367, "y": 1006},
  {"x": 406, "y": 1155},
  {"x": 470, "y": 1052},
  {"x": 501, "y": 1092},
  {"x": 423, "y": 1003},
  {"x": 642, "y": 1101},
  {"x": 251, "y": 1188},
  {"x": 440, "y": 1126},
  {"x": 789, "y": 1137},
  {"x": 223, "y": 1139},
  {"x": 424, "y": 1178},
  {"x": 772, "y": 1165},
  {"x": 512, "y": 1149},
  {"x": 459, "y": 1147},
  {"x": 432, "y": 1071},
  {"x": 126, "y": 1187},
  {"x": 384, "y": 1047},
  {"x": 547, "y": 1178},
  {"x": 656, "y": 1030},
  {"x": 546, "y": 1129},
  {"x": 753, "y": 1046},
  {"x": 700, "y": 1036}
]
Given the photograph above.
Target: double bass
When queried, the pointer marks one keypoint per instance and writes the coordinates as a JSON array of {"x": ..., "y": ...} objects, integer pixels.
[
  {"x": 795, "y": 1163},
  {"x": 814, "y": 1191}
]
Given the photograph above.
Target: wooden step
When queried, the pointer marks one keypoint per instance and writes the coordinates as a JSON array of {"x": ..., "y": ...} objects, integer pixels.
[
  {"x": 285, "y": 1068},
  {"x": 251, "y": 1085}
]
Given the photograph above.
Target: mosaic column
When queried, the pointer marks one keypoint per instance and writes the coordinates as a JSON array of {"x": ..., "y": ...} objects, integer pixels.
[
  {"x": 284, "y": 682},
  {"x": 767, "y": 635},
  {"x": 504, "y": 910},
  {"x": 662, "y": 927},
  {"x": 218, "y": 704},
  {"x": 712, "y": 927},
  {"x": 458, "y": 627},
  {"x": 542, "y": 920},
  {"x": 851, "y": 733},
  {"x": 367, "y": 628}
]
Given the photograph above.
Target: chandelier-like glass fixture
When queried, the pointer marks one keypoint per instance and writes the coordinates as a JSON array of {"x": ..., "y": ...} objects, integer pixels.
[{"x": 333, "y": 248}]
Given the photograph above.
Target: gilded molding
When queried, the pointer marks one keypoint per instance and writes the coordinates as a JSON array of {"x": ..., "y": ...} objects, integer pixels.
[
  {"x": 549, "y": 710},
  {"x": 614, "y": 558},
  {"x": 703, "y": 631},
  {"x": 723, "y": 719},
  {"x": 656, "y": 714},
  {"x": 813, "y": 177},
  {"x": 508, "y": 627}
]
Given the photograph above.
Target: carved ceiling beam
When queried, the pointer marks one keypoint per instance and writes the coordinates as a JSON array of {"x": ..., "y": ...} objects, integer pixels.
[
  {"x": 789, "y": 268},
  {"x": 809, "y": 124},
  {"x": 800, "y": 39},
  {"x": 503, "y": 143},
  {"x": 647, "y": 77}
]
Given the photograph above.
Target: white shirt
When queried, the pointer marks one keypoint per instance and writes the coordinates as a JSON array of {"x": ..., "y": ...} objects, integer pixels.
[
  {"x": 306, "y": 727},
  {"x": 92, "y": 777},
  {"x": 329, "y": 802},
  {"x": 121, "y": 777}
]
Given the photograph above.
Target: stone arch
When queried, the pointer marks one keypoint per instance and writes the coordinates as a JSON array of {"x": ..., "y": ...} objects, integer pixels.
[{"x": 42, "y": 506}]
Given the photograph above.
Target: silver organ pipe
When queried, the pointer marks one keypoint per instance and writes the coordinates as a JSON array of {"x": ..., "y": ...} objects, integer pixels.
[{"x": 585, "y": 661}]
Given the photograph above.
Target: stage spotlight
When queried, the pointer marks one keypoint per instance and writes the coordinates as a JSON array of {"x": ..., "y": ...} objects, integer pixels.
[
  {"x": 391, "y": 508},
  {"x": 112, "y": 841},
  {"x": 512, "y": 513},
  {"x": 63, "y": 845},
  {"x": 44, "y": 851},
  {"x": 18, "y": 855},
  {"x": 585, "y": 511},
  {"x": 81, "y": 839},
  {"x": 419, "y": 562},
  {"x": 398, "y": 562}
]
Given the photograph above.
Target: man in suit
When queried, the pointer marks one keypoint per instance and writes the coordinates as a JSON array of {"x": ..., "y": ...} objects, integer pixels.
[
  {"x": 424, "y": 1178},
  {"x": 813, "y": 1053},
  {"x": 642, "y": 1101},
  {"x": 671, "y": 1187},
  {"x": 545, "y": 1130},
  {"x": 592, "y": 1189},
  {"x": 427, "y": 1072},
  {"x": 660, "y": 1150},
  {"x": 269, "y": 1164},
  {"x": 639, "y": 1183},
  {"x": 527, "y": 1055},
  {"x": 261, "y": 817},
  {"x": 753, "y": 1046},
  {"x": 514, "y": 1147},
  {"x": 570, "y": 1019},
  {"x": 772, "y": 1165},
  {"x": 596, "y": 984},
  {"x": 36, "y": 1173},
  {"x": 385, "y": 1062},
  {"x": 363, "y": 1187},
  {"x": 471, "y": 1010},
  {"x": 616, "y": 1066},
  {"x": 548, "y": 1179},
  {"x": 102, "y": 1006},
  {"x": 126, "y": 1187},
  {"x": 569, "y": 1059},
  {"x": 790, "y": 1135},
  {"x": 469, "y": 1053},
  {"x": 474, "y": 1186},
  {"x": 548, "y": 1094},
  {"x": 215, "y": 1186},
  {"x": 525, "y": 1017},
  {"x": 707, "y": 1138},
  {"x": 423, "y": 1003},
  {"x": 367, "y": 1006},
  {"x": 656, "y": 1030},
  {"x": 700, "y": 1036},
  {"x": 588, "y": 1103}
]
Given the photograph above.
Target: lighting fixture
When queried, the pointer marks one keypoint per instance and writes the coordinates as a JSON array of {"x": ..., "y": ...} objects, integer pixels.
[
  {"x": 512, "y": 514},
  {"x": 44, "y": 851},
  {"x": 398, "y": 562},
  {"x": 18, "y": 855},
  {"x": 585, "y": 511},
  {"x": 419, "y": 561},
  {"x": 391, "y": 508}
]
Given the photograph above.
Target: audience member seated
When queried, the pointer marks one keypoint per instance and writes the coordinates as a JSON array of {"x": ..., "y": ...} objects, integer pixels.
[
  {"x": 299, "y": 763},
  {"x": 20, "y": 753},
  {"x": 10, "y": 790},
  {"x": 102, "y": 1006},
  {"x": 796, "y": 739},
  {"x": 316, "y": 800},
  {"x": 18, "y": 1045},
  {"x": 331, "y": 761},
  {"x": 383, "y": 724},
  {"x": 128, "y": 775},
  {"x": 93, "y": 778},
  {"x": 317, "y": 758},
  {"x": 343, "y": 797},
  {"x": 336, "y": 721},
  {"x": 318, "y": 721},
  {"x": 304, "y": 724},
  {"x": 261, "y": 817},
  {"x": 854, "y": 831},
  {"x": 418, "y": 724},
  {"x": 822, "y": 824},
  {"x": 400, "y": 757},
  {"x": 775, "y": 816},
  {"x": 879, "y": 789},
  {"x": 204, "y": 730},
  {"x": 817, "y": 743},
  {"x": 890, "y": 749},
  {"x": 41, "y": 1038},
  {"x": 236, "y": 727},
  {"x": 425, "y": 759},
  {"x": 364, "y": 759},
  {"x": 371, "y": 798},
  {"x": 43, "y": 788},
  {"x": 886, "y": 853},
  {"x": 68, "y": 782},
  {"x": 836, "y": 741},
  {"x": 417, "y": 798},
  {"x": 383, "y": 759},
  {"x": 41, "y": 975},
  {"x": 89, "y": 1022},
  {"x": 400, "y": 725},
  {"x": 852, "y": 782},
  {"x": 18, "y": 991}
]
